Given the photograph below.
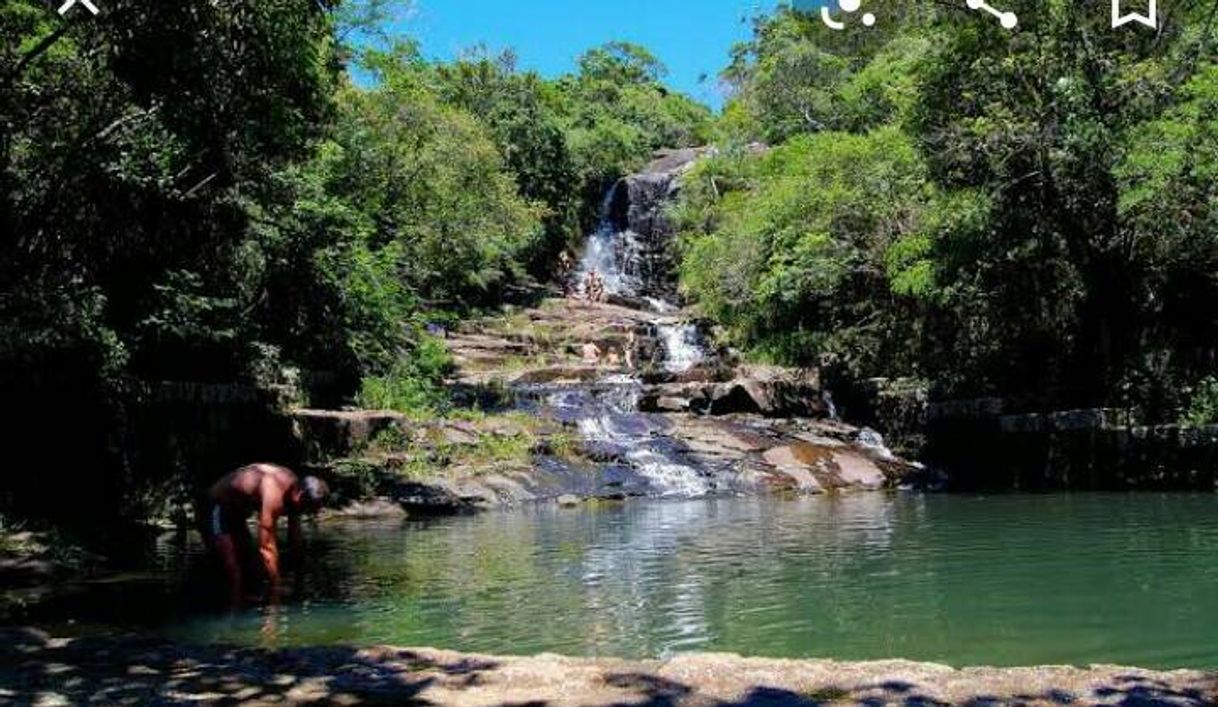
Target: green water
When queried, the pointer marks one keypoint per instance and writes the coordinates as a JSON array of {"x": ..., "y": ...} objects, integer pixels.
[{"x": 1006, "y": 580}]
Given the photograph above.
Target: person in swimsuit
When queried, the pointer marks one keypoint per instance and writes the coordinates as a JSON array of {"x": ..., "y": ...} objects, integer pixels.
[{"x": 268, "y": 492}]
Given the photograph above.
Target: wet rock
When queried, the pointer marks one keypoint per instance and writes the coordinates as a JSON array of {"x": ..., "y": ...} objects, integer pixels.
[
  {"x": 782, "y": 392},
  {"x": 819, "y": 440},
  {"x": 856, "y": 470},
  {"x": 438, "y": 498},
  {"x": 727, "y": 399},
  {"x": 100, "y": 670},
  {"x": 668, "y": 404},
  {"x": 804, "y": 464},
  {"x": 373, "y": 509},
  {"x": 794, "y": 478},
  {"x": 799, "y": 454},
  {"x": 767, "y": 391},
  {"x": 558, "y": 374}
]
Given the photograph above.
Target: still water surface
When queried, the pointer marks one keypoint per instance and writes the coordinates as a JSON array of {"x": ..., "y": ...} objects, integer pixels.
[{"x": 1004, "y": 580}]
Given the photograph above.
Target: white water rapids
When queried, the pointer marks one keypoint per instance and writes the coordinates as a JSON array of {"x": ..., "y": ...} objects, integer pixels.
[
  {"x": 609, "y": 414},
  {"x": 682, "y": 346}
]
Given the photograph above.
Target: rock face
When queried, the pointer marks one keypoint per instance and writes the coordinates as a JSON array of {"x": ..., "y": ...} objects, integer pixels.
[
  {"x": 768, "y": 391},
  {"x": 1098, "y": 449},
  {"x": 637, "y": 209}
]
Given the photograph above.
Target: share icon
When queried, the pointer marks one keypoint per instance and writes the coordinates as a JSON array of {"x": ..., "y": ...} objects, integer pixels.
[{"x": 1009, "y": 20}]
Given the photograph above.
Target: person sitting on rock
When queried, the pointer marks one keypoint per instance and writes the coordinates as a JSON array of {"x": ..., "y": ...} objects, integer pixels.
[
  {"x": 632, "y": 350},
  {"x": 595, "y": 287},
  {"x": 592, "y": 354},
  {"x": 590, "y": 286},
  {"x": 268, "y": 492}
]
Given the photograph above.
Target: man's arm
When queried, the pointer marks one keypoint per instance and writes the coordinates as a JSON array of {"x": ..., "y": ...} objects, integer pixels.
[{"x": 268, "y": 516}]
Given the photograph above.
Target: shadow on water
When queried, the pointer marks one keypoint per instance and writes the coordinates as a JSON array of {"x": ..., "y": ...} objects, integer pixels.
[{"x": 154, "y": 582}]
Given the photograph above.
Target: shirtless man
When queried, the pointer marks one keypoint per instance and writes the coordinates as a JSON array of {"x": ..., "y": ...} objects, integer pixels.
[
  {"x": 591, "y": 354},
  {"x": 268, "y": 492}
]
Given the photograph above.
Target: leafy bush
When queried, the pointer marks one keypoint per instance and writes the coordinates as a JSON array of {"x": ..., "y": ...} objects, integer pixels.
[
  {"x": 414, "y": 384},
  {"x": 1203, "y": 405},
  {"x": 803, "y": 252}
]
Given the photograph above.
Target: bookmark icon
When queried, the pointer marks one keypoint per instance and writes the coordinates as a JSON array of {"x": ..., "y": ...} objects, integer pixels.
[{"x": 1151, "y": 19}]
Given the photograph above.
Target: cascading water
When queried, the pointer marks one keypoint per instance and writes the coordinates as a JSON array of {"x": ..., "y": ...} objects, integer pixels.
[
  {"x": 607, "y": 412},
  {"x": 607, "y": 417},
  {"x": 611, "y": 252},
  {"x": 682, "y": 346},
  {"x": 874, "y": 441}
]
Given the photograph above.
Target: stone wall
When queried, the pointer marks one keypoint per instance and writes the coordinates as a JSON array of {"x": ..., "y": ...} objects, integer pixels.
[
  {"x": 982, "y": 447},
  {"x": 980, "y": 444}
]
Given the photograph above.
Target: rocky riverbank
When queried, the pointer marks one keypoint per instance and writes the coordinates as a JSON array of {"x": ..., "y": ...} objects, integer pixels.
[
  {"x": 36, "y": 668},
  {"x": 572, "y": 400},
  {"x": 551, "y": 427}
]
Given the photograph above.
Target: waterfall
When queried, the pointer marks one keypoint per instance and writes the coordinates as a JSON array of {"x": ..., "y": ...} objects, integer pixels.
[
  {"x": 614, "y": 254},
  {"x": 607, "y": 413},
  {"x": 671, "y": 477},
  {"x": 682, "y": 346},
  {"x": 830, "y": 406},
  {"x": 874, "y": 441},
  {"x": 607, "y": 416}
]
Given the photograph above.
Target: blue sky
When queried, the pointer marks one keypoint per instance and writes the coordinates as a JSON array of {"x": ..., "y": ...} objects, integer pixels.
[{"x": 691, "y": 37}]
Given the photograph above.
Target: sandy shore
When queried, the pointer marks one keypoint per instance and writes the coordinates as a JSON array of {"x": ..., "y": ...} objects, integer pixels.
[{"x": 38, "y": 669}]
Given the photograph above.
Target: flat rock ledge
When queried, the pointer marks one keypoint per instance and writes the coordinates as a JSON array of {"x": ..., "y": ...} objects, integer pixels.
[{"x": 38, "y": 669}]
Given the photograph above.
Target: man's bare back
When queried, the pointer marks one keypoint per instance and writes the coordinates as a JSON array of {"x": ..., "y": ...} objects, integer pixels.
[
  {"x": 253, "y": 487},
  {"x": 268, "y": 492}
]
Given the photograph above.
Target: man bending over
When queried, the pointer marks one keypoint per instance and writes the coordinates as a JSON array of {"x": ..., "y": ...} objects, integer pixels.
[{"x": 268, "y": 492}]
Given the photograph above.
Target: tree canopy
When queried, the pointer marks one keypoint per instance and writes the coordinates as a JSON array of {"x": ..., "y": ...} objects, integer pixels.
[
  {"x": 1022, "y": 214},
  {"x": 201, "y": 192}
]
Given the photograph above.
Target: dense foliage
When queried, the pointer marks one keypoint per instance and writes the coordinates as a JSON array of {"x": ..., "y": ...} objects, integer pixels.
[
  {"x": 202, "y": 208},
  {"x": 1023, "y": 214},
  {"x": 199, "y": 193}
]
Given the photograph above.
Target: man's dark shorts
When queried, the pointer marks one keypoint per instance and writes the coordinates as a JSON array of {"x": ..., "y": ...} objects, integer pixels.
[{"x": 215, "y": 522}]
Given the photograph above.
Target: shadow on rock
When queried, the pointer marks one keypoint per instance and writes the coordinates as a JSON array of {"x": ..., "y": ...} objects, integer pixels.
[{"x": 37, "y": 669}]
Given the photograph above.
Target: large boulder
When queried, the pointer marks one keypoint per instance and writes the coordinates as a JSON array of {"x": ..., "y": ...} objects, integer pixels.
[
  {"x": 759, "y": 390},
  {"x": 831, "y": 466},
  {"x": 783, "y": 392},
  {"x": 856, "y": 470}
]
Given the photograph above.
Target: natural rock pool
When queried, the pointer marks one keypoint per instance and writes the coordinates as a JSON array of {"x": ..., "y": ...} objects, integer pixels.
[{"x": 963, "y": 580}]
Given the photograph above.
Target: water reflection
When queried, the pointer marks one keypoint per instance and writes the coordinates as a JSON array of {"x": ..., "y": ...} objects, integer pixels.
[{"x": 1009, "y": 580}]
